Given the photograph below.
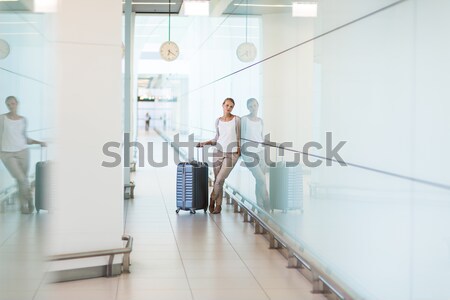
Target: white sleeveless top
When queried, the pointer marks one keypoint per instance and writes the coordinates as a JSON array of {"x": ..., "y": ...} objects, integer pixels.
[
  {"x": 227, "y": 141},
  {"x": 252, "y": 134},
  {"x": 13, "y": 138}
]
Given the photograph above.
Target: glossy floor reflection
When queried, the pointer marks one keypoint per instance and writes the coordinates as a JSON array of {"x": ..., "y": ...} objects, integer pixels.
[
  {"x": 22, "y": 240},
  {"x": 188, "y": 256}
]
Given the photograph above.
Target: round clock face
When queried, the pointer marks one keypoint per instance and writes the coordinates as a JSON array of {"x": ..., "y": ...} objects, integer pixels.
[
  {"x": 246, "y": 52},
  {"x": 169, "y": 51},
  {"x": 4, "y": 49}
]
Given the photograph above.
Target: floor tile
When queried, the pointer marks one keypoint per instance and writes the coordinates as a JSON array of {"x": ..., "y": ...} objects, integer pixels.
[
  {"x": 292, "y": 294},
  {"x": 76, "y": 295},
  {"x": 155, "y": 294},
  {"x": 139, "y": 284},
  {"x": 227, "y": 294}
]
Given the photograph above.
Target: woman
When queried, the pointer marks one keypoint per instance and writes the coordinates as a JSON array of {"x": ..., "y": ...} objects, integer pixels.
[
  {"x": 227, "y": 141},
  {"x": 253, "y": 151},
  {"x": 14, "y": 153}
]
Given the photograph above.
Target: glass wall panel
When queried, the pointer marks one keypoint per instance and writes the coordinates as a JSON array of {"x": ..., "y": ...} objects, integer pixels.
[
  {"x": 25, "y": 73},
  {"x": 365, "y": 81}
]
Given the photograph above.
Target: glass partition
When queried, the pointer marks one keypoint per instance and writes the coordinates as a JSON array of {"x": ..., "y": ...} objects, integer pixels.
[
  {"x": 357, "y": 96},
  {"x": 25, "y": 73}
]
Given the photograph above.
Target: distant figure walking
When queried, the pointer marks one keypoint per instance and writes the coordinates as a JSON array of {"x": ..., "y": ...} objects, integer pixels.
[{"x": 147, "y": 121}]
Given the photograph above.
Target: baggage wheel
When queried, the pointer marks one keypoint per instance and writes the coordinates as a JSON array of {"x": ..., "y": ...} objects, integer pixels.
[
  {"x": 192, "y": 211},
  {"x": 178, "y": 210},
  {"x": 204, "y": 210}
]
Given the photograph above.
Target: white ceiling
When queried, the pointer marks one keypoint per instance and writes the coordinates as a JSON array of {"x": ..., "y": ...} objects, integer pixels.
[{"x": 218, "y": 7}]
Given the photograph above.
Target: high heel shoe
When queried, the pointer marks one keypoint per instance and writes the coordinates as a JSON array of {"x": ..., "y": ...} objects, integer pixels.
[
  {"x": 212, "y": 205},
  {"x": 217, "y": 210}
]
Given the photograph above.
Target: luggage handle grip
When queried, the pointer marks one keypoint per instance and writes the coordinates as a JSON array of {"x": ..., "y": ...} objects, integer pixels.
[{"x": 42, "y": 153}]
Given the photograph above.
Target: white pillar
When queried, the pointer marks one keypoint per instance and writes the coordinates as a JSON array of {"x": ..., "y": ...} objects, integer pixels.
[{"x": 88, "y": 199}]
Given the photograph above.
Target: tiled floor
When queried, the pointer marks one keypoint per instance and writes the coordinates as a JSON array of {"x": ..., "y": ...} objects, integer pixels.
[
  {"x": 21, "y": 266},
  {"x": 177, "y": 256}
]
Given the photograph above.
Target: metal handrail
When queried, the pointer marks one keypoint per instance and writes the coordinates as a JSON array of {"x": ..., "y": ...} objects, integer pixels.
[
  {"x": 296, "y": 259},
  {"x": 111, "y": 253},
  {"x": 321, "y": 281}
]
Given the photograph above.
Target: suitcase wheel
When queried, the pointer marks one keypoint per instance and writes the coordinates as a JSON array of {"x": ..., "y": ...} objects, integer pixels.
[
  {"x": 204, "y": 210},
  {"x": 192, "y": 211},
  {"x": 178, "y": 210}
]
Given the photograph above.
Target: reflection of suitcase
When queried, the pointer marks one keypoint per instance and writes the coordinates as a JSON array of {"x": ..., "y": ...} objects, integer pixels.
[
  {"x": 41, "y": 191},
  {"x": 192, "y": 186},
  {"x": 286, "y": 187}
]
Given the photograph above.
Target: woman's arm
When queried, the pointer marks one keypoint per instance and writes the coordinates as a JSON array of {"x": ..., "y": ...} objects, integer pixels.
[
  {"x": 214, "y": 140},
  {"x": 31, "y": 141},
  {"x": 34, "y": 142}
]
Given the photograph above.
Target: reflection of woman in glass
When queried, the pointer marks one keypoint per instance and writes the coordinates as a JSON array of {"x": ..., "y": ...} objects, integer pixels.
[
  {"x": 14, "y": 152},
  {"x": 228, "y": 136},
  {"x": 253, "y": 151}
]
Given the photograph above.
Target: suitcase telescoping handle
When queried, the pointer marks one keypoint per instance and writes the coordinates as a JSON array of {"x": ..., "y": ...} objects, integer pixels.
[
  {"x": 44, "y": 153},
  {"x": 198, "y": 155}
]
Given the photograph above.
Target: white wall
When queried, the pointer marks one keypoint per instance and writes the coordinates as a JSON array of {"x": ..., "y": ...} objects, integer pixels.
[
  {"x": 288, "y": 79},
  {"x": 88, "y": 205},
  {"x": 379, "y": 84}
]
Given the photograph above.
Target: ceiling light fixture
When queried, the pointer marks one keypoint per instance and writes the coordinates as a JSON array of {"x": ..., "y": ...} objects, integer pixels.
[
  {"x": 16, "y": 23},
  {"x": 304, "y": 9},
  {"x": 262, "y": 5},
  {"x": 149, "y": 25},
  {"x": 149, "y": 3},
  {"x": 147, "y": 36},
  {"x": 19, "y": 33},
  {"x": 196, "y": 8},
  {"x": 45, "y": 6},
  {"x": 238, "y": 26}
]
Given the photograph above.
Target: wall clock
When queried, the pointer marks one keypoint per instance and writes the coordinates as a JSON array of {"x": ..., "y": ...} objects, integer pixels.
[
  {"x": 246, "y": 52},
  {"x": 169, "y": 50},
  {"x": 4, "y": 49}
]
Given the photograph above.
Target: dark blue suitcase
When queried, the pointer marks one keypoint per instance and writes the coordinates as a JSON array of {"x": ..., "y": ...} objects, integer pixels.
[{"x": 192, "y": 186}]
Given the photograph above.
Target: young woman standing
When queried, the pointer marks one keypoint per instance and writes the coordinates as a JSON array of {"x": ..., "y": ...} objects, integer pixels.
[{"x": 227, "y": 141}]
